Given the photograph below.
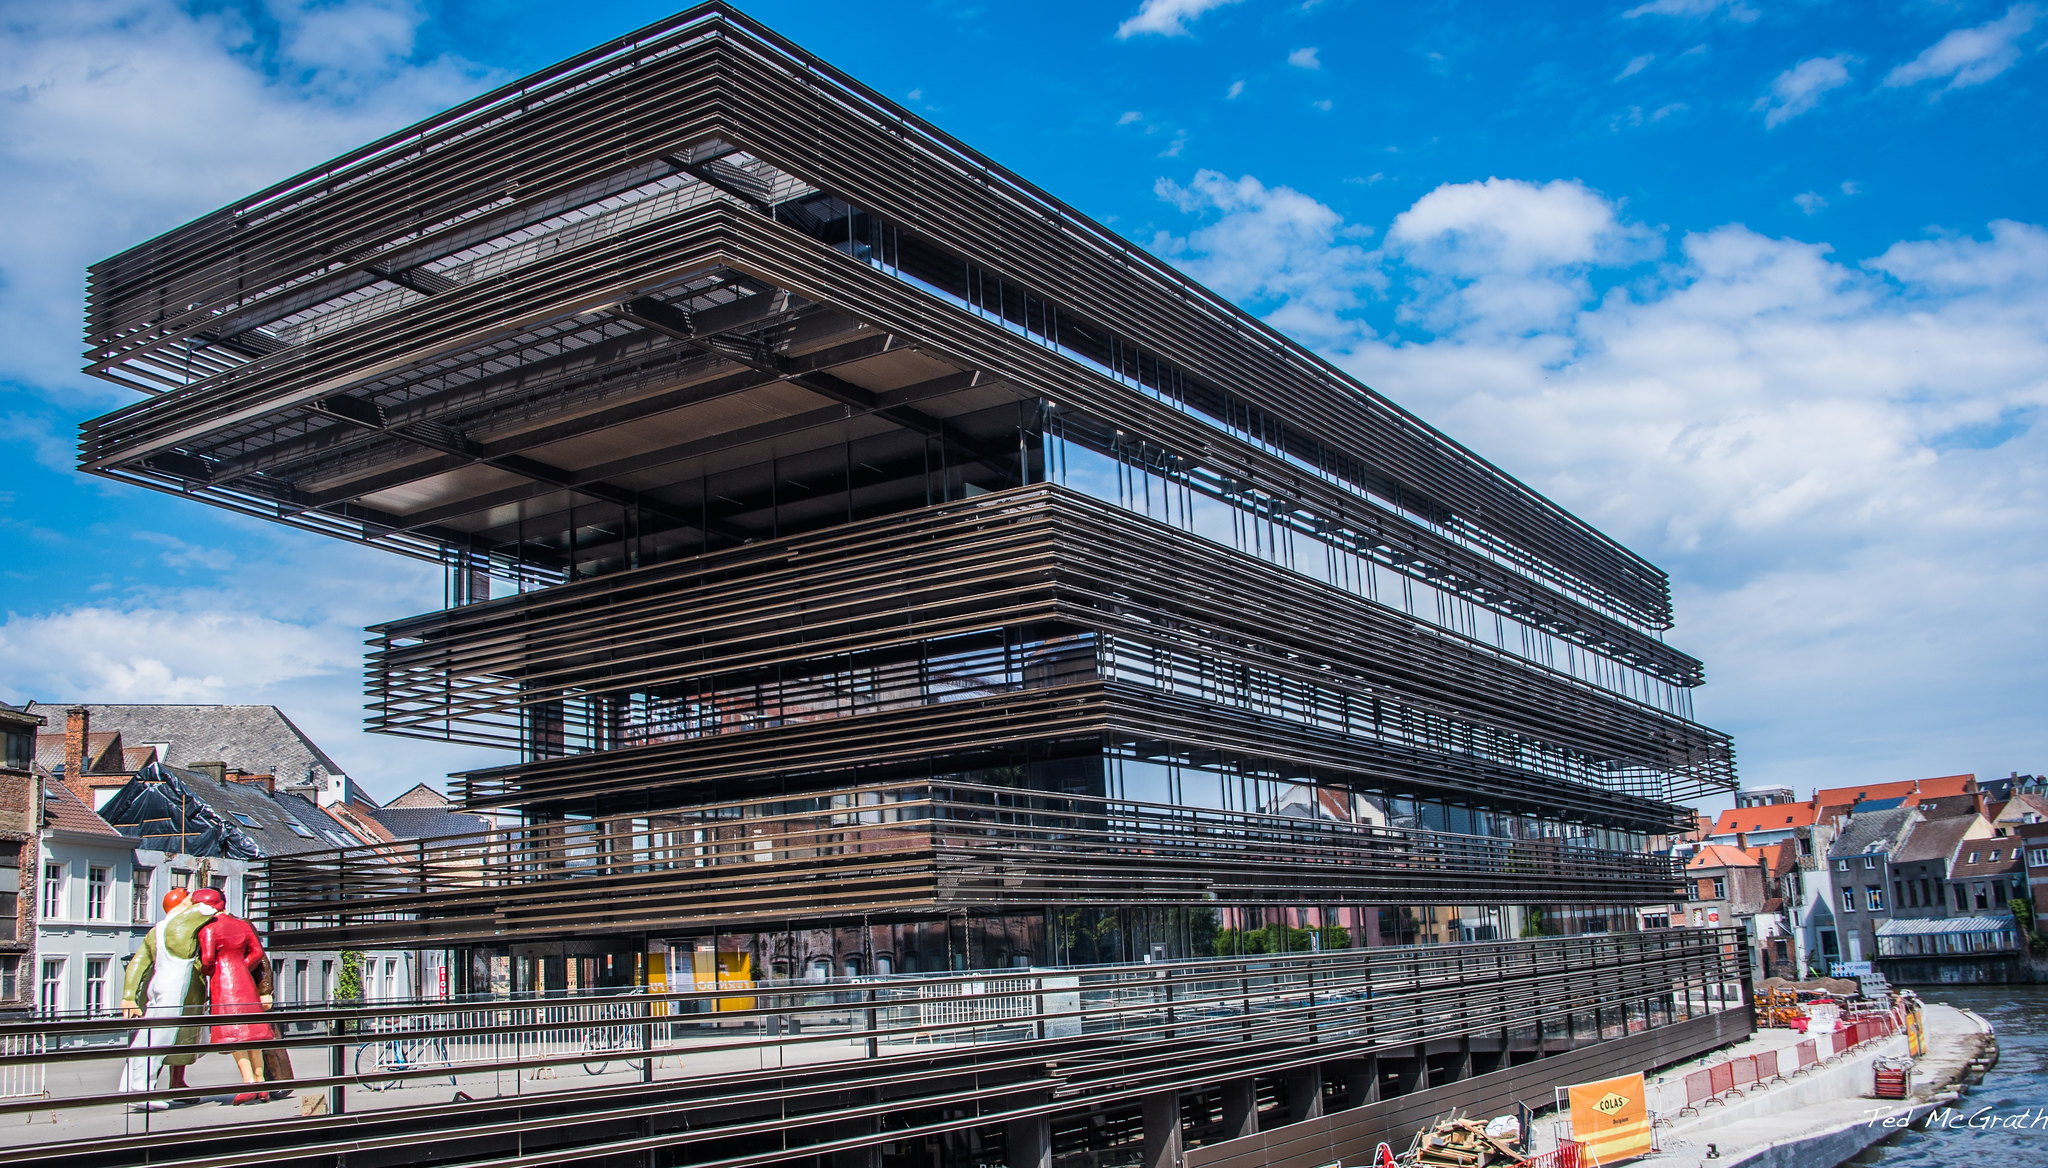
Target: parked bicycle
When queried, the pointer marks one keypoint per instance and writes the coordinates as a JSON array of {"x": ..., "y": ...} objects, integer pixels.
[
  {"x": 400, "y": 1053},
  {"x": 613, "y": 1033}
]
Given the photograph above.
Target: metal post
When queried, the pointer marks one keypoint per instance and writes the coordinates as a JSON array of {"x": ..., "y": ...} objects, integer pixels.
[{"x": 337, "y": 1095}]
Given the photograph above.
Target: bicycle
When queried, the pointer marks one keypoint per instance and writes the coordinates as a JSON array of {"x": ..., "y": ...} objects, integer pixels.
[
  {"x": 611, "y": 1032},
  {"x": 402, "y": 1053}
]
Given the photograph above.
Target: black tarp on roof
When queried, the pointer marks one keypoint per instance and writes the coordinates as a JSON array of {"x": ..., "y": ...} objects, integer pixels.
[{"x": 170, "y": 809}]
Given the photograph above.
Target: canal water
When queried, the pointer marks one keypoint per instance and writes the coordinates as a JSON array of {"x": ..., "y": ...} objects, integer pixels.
[{"x": 2017, "y": 1087}]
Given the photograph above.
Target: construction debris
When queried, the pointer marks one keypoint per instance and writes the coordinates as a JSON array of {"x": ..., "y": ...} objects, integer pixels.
[{"x": 1463, "y": 1143}]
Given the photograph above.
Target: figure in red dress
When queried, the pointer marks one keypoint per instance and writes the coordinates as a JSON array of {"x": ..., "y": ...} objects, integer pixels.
[{"x": 230, "y": 954}]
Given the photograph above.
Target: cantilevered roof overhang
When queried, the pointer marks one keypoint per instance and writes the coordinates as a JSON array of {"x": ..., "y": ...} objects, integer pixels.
[{"x": 524, "y": 227}]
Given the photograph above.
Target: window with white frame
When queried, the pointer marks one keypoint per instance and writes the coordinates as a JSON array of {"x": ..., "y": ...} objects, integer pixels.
[
  {"x": 1874, "y": 897},
  {"x": 10, "y": 978},
  {"x": 97, "y": 880},
  {"x": 51, "y": 995},
  {"x": 53, "y": 891},
  {"x": 1870, "y": 861},
  {"x": 96, "y": 985},
  {"x": 1848, "y": 899},
  {"x": 2037, "y": 858},
  {"x": 138, "y": 895}
]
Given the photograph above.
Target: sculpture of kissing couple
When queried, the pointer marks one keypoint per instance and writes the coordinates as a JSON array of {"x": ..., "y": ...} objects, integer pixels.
[{"x": 200, "y": 959}]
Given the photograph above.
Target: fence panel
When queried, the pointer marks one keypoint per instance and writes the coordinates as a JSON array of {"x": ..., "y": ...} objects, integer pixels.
[
  {"x": 22, "y": 1080},
  {"x": 1767, "y": 1067},
  {"x": 1722, "y": 1077},
  {"x": 1699, "y": 1089}
]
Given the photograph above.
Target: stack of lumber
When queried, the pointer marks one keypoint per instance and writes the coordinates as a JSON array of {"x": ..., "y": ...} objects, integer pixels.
[{"x": 1463, "y": 1143}]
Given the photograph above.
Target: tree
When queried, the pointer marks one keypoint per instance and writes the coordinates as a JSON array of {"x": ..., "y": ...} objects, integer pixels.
[{"x": 348, "y": 983}]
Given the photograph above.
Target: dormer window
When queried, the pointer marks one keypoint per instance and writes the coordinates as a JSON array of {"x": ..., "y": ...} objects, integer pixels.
[
  {"x": 1973, "y": 857},
  {"x": 243, "y": 818}
]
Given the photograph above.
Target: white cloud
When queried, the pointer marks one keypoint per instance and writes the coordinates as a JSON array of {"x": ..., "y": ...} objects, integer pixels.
[
  {"x": 1235, "y": 91},
  {"x": 1810, "y": 201},
  {"x": 1508, "y": 253},
  {"x": 100, "y": 155},
  {"x": 1734, "y": 9},
  {"x": 1130, "y": 116},
  {"x": 1166, "y": 17},
  {"x": 1304, "y": 58},
  {"x": 1841, "y": 463},
  {"x": 1970, "y": 56},
  {"x": 1272, "y": 247},
  {"x": 1801, "y": 87},
  {"x": 2015, "y": 255},
  {"x": 1636, "y": 65},
  {"x": 278, "y": 620},
  {"x": 167, "y": 655}
]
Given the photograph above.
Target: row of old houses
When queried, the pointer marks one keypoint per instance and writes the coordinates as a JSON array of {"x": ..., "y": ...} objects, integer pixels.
[
  {"x": 105, "y": 808},
  {"x": 1920, "y": 880}
]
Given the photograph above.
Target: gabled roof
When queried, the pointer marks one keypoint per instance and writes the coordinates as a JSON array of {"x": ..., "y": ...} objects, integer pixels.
[
  {"x": 421, "y": 797},
  {"x": 359, "y": 821},
  {"x": 175, "y": 810},
  {"x": 427, "y": 823},
  {"x": 1873, "y": 831},
  {"x": 259, "y": 739},
  {"x": 1721, "y": 856},
  {"x": 2011, "y": 858},
  {"x": 103, "y": 748},
  {"x": 1904, "y": 788},
  {"x": 1935, "y": 839},
  {"x": 1768, "y": 817},
  {"x": 1777, "y": 859},
  {"x": 65, "y": 811},
  {"x": 2022, "y": 805}
]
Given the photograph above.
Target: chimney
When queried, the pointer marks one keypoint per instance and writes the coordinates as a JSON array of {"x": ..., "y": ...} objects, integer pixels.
[
  {"x": 219, "y": 770},
  {"x": 266, "y": 782},
  {"x": 77, "y": 729}
]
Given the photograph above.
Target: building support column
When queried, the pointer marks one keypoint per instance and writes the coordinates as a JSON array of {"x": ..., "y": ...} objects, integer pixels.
[
  {"x": 1362, "y": 1081},
  {"x": 1029, "y": 1142},
  {"x": 1304, "y": 1093},
  {"x": 1162, "y": 1130},
  {"x": 1240, "y": 1109},
  {"x": 1461, "y": 1063}
]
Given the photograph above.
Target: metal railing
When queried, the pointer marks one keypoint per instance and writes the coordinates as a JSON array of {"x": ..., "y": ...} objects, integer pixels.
[
  {"x": 1115, "y": 1031},
  {"x": 943, "y": 843}
]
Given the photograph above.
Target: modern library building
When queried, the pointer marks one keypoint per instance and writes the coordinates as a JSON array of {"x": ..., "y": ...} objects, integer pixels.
[{"x": 922, "y": 625}]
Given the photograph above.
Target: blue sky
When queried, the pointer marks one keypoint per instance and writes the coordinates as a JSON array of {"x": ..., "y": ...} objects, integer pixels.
[{"x": 1760, "y": 289}]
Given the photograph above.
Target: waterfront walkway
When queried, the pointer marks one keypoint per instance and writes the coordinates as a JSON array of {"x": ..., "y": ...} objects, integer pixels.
[{"x": 1817, "y": 1119}]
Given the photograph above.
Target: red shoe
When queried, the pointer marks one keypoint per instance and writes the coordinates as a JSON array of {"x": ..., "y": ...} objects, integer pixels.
[{"x": 251, "y": 1097}]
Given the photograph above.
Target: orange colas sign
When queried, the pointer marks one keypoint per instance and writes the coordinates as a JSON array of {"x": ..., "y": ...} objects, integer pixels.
[{"x": 1612, "y": 1118}]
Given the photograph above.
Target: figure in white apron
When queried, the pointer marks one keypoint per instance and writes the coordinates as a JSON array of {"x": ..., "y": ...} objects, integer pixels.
[{"x": 162, "y": 982}]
